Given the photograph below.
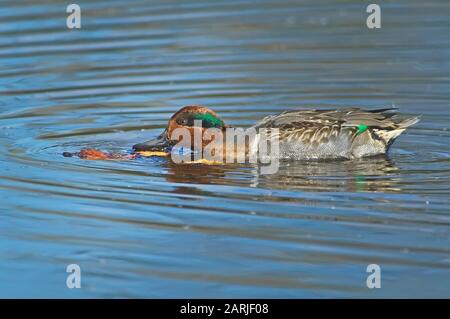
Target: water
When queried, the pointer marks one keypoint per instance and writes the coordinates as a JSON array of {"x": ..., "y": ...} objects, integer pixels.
[{"x": 150, "y": 228}]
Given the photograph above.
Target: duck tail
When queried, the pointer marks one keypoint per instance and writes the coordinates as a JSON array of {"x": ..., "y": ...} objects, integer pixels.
[
  {"x": 390, "y": 135},
  {"x": 408, "y": 122}
]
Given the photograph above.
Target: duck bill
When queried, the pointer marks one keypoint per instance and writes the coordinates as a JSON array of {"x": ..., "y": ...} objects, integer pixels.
[{"x": 161, "y": 143}]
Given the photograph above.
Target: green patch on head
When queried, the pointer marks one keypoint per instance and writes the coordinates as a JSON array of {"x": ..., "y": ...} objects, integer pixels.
[
  {"x": 209, "y": 120},
  {"x": 361, "y": 129}
]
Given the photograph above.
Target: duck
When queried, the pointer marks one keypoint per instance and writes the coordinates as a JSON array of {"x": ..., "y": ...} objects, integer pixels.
[{"x": 304, "y": 134}]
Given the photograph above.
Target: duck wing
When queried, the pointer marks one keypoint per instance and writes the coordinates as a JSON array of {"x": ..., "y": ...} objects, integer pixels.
[{"x": 319, "y": 126}]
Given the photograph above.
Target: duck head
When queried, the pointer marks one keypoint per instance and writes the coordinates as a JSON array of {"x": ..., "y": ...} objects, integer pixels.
[{"x": 187, "y": 117}]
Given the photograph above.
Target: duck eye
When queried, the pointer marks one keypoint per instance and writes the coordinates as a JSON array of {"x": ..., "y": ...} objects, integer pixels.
[{"x": 183, "y": 121}]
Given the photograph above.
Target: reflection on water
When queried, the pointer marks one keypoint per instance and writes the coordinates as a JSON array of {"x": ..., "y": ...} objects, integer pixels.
[
  {"x": 151, "y": 228},
  {"x": 376, "y": 174},
  {"x": 371, "y": 174}
]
